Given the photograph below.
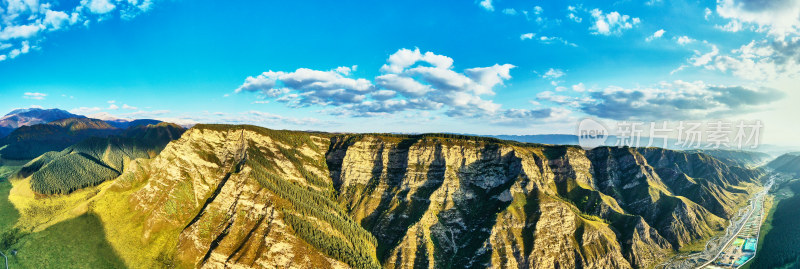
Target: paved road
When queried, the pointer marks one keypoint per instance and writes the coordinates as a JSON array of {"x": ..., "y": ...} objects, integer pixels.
[{"x": 4, "y": 256}]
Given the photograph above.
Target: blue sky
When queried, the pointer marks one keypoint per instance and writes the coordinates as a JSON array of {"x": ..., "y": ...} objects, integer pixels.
[{"x": 485, "y": 67}]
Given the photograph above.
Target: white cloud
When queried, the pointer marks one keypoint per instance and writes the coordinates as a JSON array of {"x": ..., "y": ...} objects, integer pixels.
[
  {"x": 574, "y": 18},
  {"x": 403, "y": 84},
  {"x": 579, "y": 87},
  {"x": 656, "y": 35},
  {"x": 510, "y": 11},
  {"x": 145, "y": 114},
  {"x": 34, "y": 95},
  {"x": 683, "y": 40},
  {"x": 669, "y": 101},
  {"x": 611, "y": 23},
  {"x": 18, "y": 51},
  {"x": 20, "y": 31},
  {"x": 761, "y": 60},
  {"x": 264, "y": 81},
  {"x": 405, "y": 58},
  {"x": 55, "y": 20},
  {"x": 410, "y": 81},
  {"x": 344, "y": 70},
  {"x": 247, "y": 117},
  {"x": 778, "y": 18},
  {"x": 702, "y": 59},
  {"x": 381, "y": 95},
  {"x": 653, "y": 2},
  {"x": 489, "y": 77},
  {"x": 538, "y": 13},
  {"x": 699, "y": 59},
  {"x": 85, "y": 110},
  {"x": 731, "y": 26},
  {"x": 527, "y": 36},
  {"x": 98, "y": 6},
  {"x": 553, "y": 73},
  {"x": 113, "y": 107},
  {"x": 103, "y": 116},
  {"x": 523, "y": 117},
  {"x": 551, "y": 39},
  {"x": 313, "y": 87},
  {"x": 24, "y": 23},
  {"x": 571, "y": 14},
  {"x": 126, "y": 106},
  {"x": 707, "y": 13},
  {"x": 20, "y": 6},
  {"x": 563, "y": 100},
  {"x": 537, "y": 10},
  {"x": 264, "y": 117},
  {"x": 487, "y": 5}
]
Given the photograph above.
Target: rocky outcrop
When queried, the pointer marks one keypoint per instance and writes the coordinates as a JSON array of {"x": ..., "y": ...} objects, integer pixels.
[{"x": 243, "y": 196}]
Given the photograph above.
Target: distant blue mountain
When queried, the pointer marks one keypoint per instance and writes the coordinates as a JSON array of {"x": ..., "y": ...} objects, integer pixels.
[
  {"x": 568, "y": 139},
  {"x": 125, "y": 124}
]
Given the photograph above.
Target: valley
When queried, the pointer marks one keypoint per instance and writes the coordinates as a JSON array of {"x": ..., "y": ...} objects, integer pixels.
[
  {"x": 719, "y": 245},
  {"x": 740, "y": 247},
  {"x": 780, "y": 231}
]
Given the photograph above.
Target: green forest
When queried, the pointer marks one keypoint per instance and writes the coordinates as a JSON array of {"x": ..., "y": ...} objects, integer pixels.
[
  {"x": 780, "y": 246},
  {"x": 72, "y": 172},
  {"x": 304, "y": 207},
  {"x": 96, "y": 159}
]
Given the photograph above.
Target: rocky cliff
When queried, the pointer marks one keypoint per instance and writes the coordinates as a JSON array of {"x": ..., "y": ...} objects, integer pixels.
[{"x": 244, "y": 196}]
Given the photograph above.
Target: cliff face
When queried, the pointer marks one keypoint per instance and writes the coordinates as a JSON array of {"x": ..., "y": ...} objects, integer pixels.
[{"x": 251, "y": 197}]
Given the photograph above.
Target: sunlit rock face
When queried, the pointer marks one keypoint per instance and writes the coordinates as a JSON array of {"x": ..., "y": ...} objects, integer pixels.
[{"x": 240, "y": 197}]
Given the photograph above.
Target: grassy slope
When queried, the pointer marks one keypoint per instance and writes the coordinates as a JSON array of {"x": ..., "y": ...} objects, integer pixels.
[
  {"x": 127, "y": 237},
  {"x": 86, "y": 215},
  {"x": 56, "y": 247},
  {"x": 56, "y": 222},
  {"x": 8, "y": 213},
  {"x": 53, "y": 225}
]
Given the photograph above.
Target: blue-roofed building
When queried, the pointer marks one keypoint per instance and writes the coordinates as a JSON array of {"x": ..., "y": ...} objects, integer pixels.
[{"x": 750, "y": 245}]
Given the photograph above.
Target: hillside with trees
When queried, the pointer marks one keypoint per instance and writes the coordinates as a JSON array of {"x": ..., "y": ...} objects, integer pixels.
[
  {"x": 780, "y": 246},
  {"x": 786, "y": 163},
  {"x": 28, "y": 142},
  {"x": 96, "y": 159}
]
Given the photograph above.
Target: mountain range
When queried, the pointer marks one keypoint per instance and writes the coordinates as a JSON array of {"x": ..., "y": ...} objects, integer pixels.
[
  {"x": 32, "y": 132},
  {"x": 786, "y": 163},
  {"x": 763, "y": 150},
  {"x": 251, "y": 197},
  {"x": 25, "y": 117}
]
